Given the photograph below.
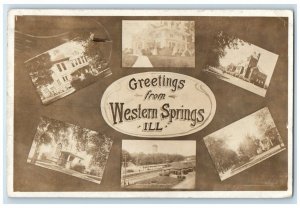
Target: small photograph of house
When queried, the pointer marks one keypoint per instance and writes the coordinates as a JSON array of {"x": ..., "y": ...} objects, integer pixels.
[
  {"x": 70, "y": 149},
  {"x": 244, "y": 143},
  {"x": 158, "y": 164},
  {"x": 158, "y": 43},
  {"x": 68, "y": 67},
  {"x": 243, "y": 64}
]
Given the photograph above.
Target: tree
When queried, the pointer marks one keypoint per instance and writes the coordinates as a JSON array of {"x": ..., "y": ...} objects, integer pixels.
[
  {"x": 223, "y": 157},
  {"x": 273, "y": 136},
  {"x": 264, "y": 120},
  {"x": 267, "y": 127},
  {"x": 217, "y": 43},
  {"x": 94, "y": 50},
  {"x": 39, "y": 69},
  {"x": 94, "y": 144},
  {"x": 248, "y": 147},
  {"x": 190, "y": 29},
  {"x": 126, "y": 157},
  {"x": 99, "y": 149},
  {"x": 48, "y": 130}
]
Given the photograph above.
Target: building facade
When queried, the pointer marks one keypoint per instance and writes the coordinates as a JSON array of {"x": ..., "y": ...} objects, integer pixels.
[
  {"x": 249, "y": 71},
  {"x": 67, "y": 63},
  {"x": 164, "y": 38}
]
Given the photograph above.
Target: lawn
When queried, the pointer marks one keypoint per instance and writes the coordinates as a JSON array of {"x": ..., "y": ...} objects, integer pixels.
[
  {"x": 128, "y": 60},
  {"x": 172, "y": 61},
  {"x": 158, "y": 182}
]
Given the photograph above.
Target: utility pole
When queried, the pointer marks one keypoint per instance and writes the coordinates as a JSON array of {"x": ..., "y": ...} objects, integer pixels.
[{"x": 125, "y": 158}]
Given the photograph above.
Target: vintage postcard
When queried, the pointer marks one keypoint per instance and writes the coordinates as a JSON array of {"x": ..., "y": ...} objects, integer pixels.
[
  {"x": 66, "y": 59},
  {"x": 158, "y": 43},
  {"x": 244, "y": 143},
  {"x": 242, "y": 64},
  {"x": 158, "y": 164},
  {"x": 70, "y": 149},
  {"x": 174, "y": 90}
]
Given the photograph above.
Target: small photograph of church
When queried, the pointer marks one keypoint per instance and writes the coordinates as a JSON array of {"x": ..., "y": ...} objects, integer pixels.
[
  {"x": 69, "y": 66},
  {"x": 158, "y": 164},
  {"x": 158, "y": 43},
  {"x": 70, "y": 149},
  {"x": 243, "y": 64},
  {"x": 244, "y": 143}
]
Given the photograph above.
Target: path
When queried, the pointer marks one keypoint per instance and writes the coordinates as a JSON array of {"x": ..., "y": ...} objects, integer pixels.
[
  {"x": 188, "y": 183},
  {"x": 142, "y": 61},
  {"x": 140, "y": 177}
]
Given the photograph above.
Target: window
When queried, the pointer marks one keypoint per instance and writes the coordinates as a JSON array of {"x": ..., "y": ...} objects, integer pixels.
[
  {"x": 59, "y": 68},
  {"x": 73, "y": 64},
  {"x": 79, "y": 60},
  {"x": 64, "y": 66},
  {"x": 242, "y": 70},
  {"x": 76, "y": 62},
  {"x": 85, "y": 59},
  {"x": 65, "y": 78},
  {"x": 82, "y": 59}
]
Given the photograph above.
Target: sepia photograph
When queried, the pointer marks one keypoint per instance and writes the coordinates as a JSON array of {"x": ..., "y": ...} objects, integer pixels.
[
  {"x": 244, "y": 143},
  {"x": 70, "y": 149},
  {"x": 158, "y": 164},
  {"x": 158, "y": 43},
  {"x": 241, "y": 63},
  {"x": 62, "y": 61},
  {"x": 105, "y": 103}
]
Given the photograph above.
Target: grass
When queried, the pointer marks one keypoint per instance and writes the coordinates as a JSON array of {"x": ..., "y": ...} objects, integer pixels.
[
  {"x": 172, "y": 61},
  {"x": 128, "y": 60},
  {"x": 158, "y": 182}
]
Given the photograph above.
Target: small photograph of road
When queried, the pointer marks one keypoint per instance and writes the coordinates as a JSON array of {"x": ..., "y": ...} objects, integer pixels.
[
  {"x": 244, "y": 143},
  {"x": 157, "y": 164},
  {"x": 158, "y": 43}
]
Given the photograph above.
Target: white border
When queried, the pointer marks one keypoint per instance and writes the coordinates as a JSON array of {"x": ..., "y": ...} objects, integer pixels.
[{"x": 148, "y": 194}]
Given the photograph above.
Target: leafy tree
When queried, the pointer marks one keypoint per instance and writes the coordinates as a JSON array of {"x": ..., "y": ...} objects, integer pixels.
[
  {"x": 49, "y": 130},
  {"x": 273, "y": 136},
  {"x": 127, "y": 155},
  {"x": 248, "y": 147},
  {"x": 99, "y": 148},
  {"x": 39, "y": 69},
  {"x": 93, "y": 49},
  {"x": 218, "y": 42},
  {"x": 94, "y": 144},
  {"x": 149, "y": 159},
  {"x": 267, "y": 127},
  {"x": 190, "y": 29},
  {"x": 223, "y": 157},
  {"x": 264, "y": 120},
  {"x": 79, "y": 84}
]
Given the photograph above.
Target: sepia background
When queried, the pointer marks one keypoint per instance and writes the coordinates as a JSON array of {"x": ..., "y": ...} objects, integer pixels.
[{"x": 82, "y": 108}]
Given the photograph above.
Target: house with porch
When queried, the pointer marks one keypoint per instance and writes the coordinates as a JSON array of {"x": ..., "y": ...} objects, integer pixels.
[{"x": 164, "y": 38}]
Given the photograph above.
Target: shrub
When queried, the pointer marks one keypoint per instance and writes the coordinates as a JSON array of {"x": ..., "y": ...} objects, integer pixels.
[
  {"x": 78, "y": 167},
  {"x": 129, "y": 171}
]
